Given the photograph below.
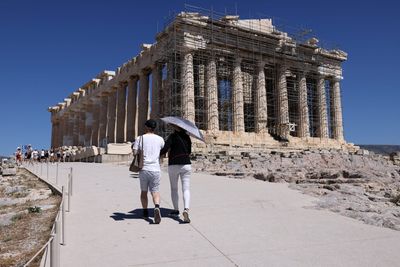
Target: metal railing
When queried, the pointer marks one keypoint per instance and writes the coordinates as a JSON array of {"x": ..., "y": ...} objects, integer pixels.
[{"x": 51, "y": 250}]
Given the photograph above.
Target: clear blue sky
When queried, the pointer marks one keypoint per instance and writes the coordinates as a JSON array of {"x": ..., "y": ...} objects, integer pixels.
[{"x": 50, "y": 48}]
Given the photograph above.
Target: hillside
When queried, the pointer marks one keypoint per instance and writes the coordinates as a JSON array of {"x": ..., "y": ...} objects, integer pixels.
[{"x": 381, "y": 149}]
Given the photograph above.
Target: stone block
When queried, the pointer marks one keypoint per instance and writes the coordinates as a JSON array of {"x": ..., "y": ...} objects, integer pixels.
[{"x": 118, "y": 149}]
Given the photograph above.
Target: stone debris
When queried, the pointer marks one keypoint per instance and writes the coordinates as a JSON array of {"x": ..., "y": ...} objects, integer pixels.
[{"x": 360, "y": 185}]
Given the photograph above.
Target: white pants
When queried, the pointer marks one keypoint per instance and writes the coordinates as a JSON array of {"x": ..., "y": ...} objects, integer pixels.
[{"x": 183, "y": 171}]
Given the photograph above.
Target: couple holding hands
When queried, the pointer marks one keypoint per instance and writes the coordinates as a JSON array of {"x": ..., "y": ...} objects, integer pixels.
[{"x": 178, "y": 146}]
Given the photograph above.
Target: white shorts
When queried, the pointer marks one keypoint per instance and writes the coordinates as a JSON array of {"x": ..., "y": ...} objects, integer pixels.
[{"x": 149, "y": 181}]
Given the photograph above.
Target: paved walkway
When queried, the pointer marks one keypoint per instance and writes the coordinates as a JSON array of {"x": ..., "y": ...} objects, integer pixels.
[{"x": 234, "y": 223}]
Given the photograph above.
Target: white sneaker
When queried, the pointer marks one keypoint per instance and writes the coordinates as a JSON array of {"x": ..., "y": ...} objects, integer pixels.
[{"x": 185, "y": 214}]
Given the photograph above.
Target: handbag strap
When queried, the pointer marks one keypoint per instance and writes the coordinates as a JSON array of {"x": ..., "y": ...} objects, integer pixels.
[{"x": 141, "y": 143}]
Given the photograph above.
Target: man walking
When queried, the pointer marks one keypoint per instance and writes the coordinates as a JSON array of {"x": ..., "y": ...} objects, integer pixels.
[{"x": 150, "y": 174}]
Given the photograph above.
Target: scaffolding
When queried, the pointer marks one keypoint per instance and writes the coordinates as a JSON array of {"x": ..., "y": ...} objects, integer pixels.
[{"x": 224, "y": 38}]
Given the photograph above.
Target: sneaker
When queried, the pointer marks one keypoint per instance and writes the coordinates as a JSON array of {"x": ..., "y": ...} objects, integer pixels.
[
  {"x": 157, "y": 216},
  {"x": 174, "y": 213},
  {"x": 185, "y": 214}
]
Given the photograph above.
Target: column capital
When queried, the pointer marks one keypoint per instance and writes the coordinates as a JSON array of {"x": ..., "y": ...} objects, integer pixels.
[
  {"x": 336, "y": 79},
  {"x": 238, "y": 60},
  {"x": 133, "y": 78},
  {"x": 122, "y": 84},
  {"x": 143, "y": 72},
  {"x": 261, "y": 63}
]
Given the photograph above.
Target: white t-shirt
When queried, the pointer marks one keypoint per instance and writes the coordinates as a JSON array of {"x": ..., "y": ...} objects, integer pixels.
[{"x": 152, "y": 144}]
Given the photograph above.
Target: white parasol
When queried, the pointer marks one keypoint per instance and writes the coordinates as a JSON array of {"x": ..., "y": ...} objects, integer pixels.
[{"x": 185, "y": 124}]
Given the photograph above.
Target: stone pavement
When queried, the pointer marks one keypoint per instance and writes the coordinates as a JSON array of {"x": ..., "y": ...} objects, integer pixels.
[{"x": 234, "y": 223}]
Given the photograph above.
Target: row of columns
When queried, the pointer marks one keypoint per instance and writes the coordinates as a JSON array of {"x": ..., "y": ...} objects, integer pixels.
[
  {"x": 116, "y": 116},
  {"x": 113, "y": 116},
  {"x": 283, "y": 130}
]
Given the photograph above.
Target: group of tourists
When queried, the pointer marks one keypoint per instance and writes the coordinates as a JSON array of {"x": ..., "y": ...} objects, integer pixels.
[
  {"x": 32, "y": 155},
  {"x": 178, "y": 146}
]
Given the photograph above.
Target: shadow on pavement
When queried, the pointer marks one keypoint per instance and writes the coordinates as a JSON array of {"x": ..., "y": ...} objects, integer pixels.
[{"x": 138, "y": 214}]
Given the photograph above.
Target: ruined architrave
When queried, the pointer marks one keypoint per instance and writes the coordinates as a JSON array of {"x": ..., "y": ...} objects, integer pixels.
[{"x": 243, "y": 82}]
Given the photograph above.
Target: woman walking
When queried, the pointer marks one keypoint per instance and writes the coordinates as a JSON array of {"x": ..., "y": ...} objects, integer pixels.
[{"x": 179, "y": 146}]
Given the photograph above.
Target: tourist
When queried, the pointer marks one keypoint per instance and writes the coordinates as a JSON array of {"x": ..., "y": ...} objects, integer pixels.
[
  {"x": 42, "y": 157},
  {"x": 29, "y": 152},
  {"x": 150, "y": 174},
  {"x": 18, "y": 156},
  {"x": 179, "y": 147},
  {"x": 35, "y": 155}
]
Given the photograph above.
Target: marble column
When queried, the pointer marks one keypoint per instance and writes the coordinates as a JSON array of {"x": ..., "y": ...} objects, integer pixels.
[
  {"x": 143, "y": 107},
  {"x": 336, "y": 110},
  {"x": 69, "y": 128},
  {"x": 237, "y": 84},
  {"x": 261, "y": 101},
  {"x": 121, "y": 113},
  {"x": 54, "y": 132},
  {"x": 304, "y": 123},
  {"x": 88, "y": 123},
  {"x": 283, "y": 104},
  {"x": 131, "y": 122},
  {"x": 96, "y": 122},
  {"x": 75, "y": 131},
  {"x": 322, "y": 115},
  {"x": 212, "y": 96},
  {"x": 111, "y": 116},
  {"x": 187, "y": 81},
  {"x": 81, "y": 128},
  {"x": 155, "y": 90},
  {"x": 63, "y": 132},
  {"x": 103, "y": 120}
]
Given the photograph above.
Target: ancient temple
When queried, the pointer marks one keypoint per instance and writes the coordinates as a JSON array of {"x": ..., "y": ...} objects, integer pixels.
[{"x": 244, "y": 82}]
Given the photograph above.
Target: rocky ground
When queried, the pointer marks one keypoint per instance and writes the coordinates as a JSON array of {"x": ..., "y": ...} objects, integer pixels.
[
  {"x": 361, "y": 185},
  {"x": 27, "y": 212}
]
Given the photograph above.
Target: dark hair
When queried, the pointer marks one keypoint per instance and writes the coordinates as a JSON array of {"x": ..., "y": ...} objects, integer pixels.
[{"x": 152, "y": 124}]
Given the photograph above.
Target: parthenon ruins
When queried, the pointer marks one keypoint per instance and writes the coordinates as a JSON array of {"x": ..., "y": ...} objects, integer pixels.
[{"x": 244, "y": 83}]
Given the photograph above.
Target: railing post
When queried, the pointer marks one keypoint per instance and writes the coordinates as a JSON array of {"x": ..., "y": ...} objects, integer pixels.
[
  {"x": 69, "y": 192},
  {"x": 63, "y": 216},
  {"x": 52, "y": 250},
  {"x": 41, "y": 169},
  {"x": 57, "y": 174},
  {"x": 71, "y": 178},
  {"x": 47, "y": 172}
]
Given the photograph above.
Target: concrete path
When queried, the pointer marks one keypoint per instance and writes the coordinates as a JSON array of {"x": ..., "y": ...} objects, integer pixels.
[{"x": 234, "y": 223}]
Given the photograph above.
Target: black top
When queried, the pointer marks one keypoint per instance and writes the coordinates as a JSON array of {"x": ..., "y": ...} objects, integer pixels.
[{"x": 179, "y": 146}]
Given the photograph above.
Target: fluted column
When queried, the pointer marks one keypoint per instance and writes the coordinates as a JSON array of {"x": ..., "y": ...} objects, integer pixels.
[
  {"x": 304, "y": 124},
  {"x": 336, "y": 109},
  {"x": 81, "y": 127},
  {"x": 261, "y": 101},
  {"x": 63, "y": 132},
  {"x": 155, "y": 90},
  {"x": 75, "y": 130},
  {"x": 121, "y": 113},
  {"x": 131, "y": 122},
  {"x": 68, "y": 129},
  {"x": 322, "y": 115},
  {"x": 144, "y": 101},
  {"x": 187, "y": 79},
  {"x": 88, "y": 124},
  {"x": 103, "y": 120},
  {"x": 212, "y": 96},
  {"x": 96, "y": 123},
  {"x": 238, "y": 112},
  {"x": 54, "y": 132},
  {"x": 111, "y": 114},
  {"x": 283, "y": 104}
]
